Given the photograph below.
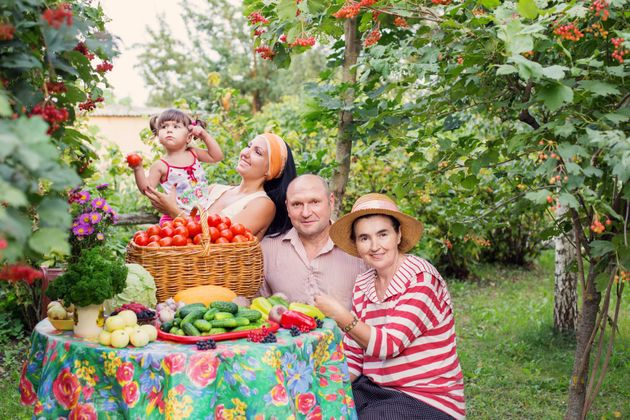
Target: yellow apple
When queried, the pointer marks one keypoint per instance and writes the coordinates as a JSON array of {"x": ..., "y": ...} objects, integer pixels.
[
  {"x": 119, "y": 339},
  {"x": 105, "y": 338},
  {"x": 139, "y": 338},
  {"x": 129, "y": 316},
  {"x": 149, "y": 330},
  {"x": 114, "y": 323}
]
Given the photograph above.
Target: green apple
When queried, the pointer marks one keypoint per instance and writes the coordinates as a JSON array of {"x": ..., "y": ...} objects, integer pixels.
[
  {"x": 114, "y": 323},
  {"x": 119, "y": 339}
]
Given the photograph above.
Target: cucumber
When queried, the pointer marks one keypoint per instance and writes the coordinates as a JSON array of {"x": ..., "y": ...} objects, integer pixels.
[
  {"x": 185, "y": 310},
  {"x": 167, "y": 326},
  {"x": 195, "y": 314},
  {"x": 190, "y": 329},
  {"x": 241, "y": 321},
  {"x": 223, "y": 315},
  {"x": 225, "y": 323},
  {"x": 202, "y": 325},
  {"x": 217, "y": 331},
  {"x": 247, "y": 327},
  {"x": 177, "y": 331},
  {"x": 252, "y": 314},
  {"x": 210, "y": 313},
  {"x": 222, "y": 306},
  {"x": 177, "y": 321}
]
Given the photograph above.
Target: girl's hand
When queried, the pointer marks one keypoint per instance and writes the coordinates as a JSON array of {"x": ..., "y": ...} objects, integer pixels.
[
  {"x": 197, "y": 131},
  {"x": 164, "y": 203},
  {"x": 331, "y": 307}
]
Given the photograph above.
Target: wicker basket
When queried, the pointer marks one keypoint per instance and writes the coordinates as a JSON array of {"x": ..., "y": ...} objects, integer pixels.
[{"x": 237, "y": 266}]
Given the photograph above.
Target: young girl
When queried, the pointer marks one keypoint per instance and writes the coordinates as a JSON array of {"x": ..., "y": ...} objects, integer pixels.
[{"x": 179, "y": 169}]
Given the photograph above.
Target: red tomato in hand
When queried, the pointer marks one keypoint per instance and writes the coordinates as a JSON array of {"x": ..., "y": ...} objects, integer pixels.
[
  {"x": 240, "y": 238},
  {"x": 133, "y": 160},
  {"x": 166, "y": 241},
  {"x": 222, "y": 240},
  {"x": 166, "y": 231},
  {"x": 237, "y": 229},
  {"x": 197, "y": 239},
  {"x": 214, "y": 219},
  {"x": 141, "y": 240},
  {"x": 226, "y": 220},
  {"x": 227, "y": 234},
  {"x": 181, "y": 230},
  {"x": 153, "y": 230},
  {"x": 179, "y": 240},
  {"x": 193, "y": 229},
  {"x": 214, "y": 234}
]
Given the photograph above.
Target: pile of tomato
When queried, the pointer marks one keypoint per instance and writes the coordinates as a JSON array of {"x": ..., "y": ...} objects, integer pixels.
[{"x": 187, "y": 231}]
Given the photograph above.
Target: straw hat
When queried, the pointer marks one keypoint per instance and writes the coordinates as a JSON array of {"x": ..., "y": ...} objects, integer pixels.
[{"x": 411, "y": 229}]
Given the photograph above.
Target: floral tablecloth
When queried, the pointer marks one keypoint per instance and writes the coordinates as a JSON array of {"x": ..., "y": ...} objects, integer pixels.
[{"x": 304, "y": 377}]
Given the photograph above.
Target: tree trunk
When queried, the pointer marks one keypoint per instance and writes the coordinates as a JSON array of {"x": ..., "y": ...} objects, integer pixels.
[
  {"x": 565, "y": 310},
  {"x": 345, "y": 125}
]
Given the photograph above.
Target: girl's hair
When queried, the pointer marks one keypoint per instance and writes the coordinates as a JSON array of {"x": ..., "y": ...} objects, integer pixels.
[
  {"x": 395, "y": 223},
  {"x": 172, "y": 115},
  {"x": 276, "y": 189}
]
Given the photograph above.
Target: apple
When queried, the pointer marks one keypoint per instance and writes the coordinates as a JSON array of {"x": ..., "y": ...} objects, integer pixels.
[
  {"x": 139, "y": 338},
  {"x": 119, "y": 339},
  {"x": 129, "y": 316},
  {"x": 105, "y": 338},
  {"x": 150, "y": 330},
  {"x": 114, "y": 323},
  {"x": 130, "y": 330}
]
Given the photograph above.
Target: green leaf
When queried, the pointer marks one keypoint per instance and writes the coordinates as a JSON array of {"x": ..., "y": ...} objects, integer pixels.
[
  {"x": 554, "y": 72},
  {"x": 527, "y": 9},
  {"x": 601, "y": 281},
  {"x": 564, "y": 130},
  {"x": 458, "y": 229},
  {"x": 11, "y": 195},
  {"x": 48, "y": 241},
  {"x": 553, "y": 96},
  {"x": 54, "y": 212},
  {"x": 286, "y": 9},
  {"x": 489, "y": 4},
  {"x": 21, "y": 62},
  {"x": 470, "y": 182},
  {"x": 5, "y": 106},
  {"x": 601, "y": 248},
  {"x": 505, "y": 69},
  {"x": 527, "y": 69},
  {"x": 599, "y": 88},
  {"x": 567, "y": 199},
  {"x": 538, "y": 197}
]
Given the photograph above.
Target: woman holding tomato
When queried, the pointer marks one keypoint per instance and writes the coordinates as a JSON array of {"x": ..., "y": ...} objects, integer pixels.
[{"x": 266, "y": 168}]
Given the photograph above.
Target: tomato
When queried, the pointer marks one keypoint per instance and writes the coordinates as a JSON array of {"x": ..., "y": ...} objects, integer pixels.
[
  {"x": 197, "y": 239},
  {"x": 249, "y": 236},
  {"x": 153, "y": 230},
  {"x": 214, "y": 219},
  {"x": 181, "y": 230},
  {"x": 222, "y": 226},
  {"x": 154, "y": 238},
  {"x": 222, "y": 240},
  {"x": 237, "y": 229},
  {"x": 179, "y": 240},
  {"x": 189, "y": 241},
  {"x": 227, "y": 233},
  {"x": 240, "y": 238},
  {"x": 167, "y": 231},
  {"x": 168, "y": 223},
  {"x": 153, "y": 245},
  {"x": 139, "y": 232},
  {"x": 214, "y": 234},
  {"x": 167, "y": 241},
  {"x": 193, "y": 229},
  {"x": 226, "y": 220},
  {"x": 179, "y": 221},
  {"x": 133, "y": 160},
  {"x": 141, "y": 239}
]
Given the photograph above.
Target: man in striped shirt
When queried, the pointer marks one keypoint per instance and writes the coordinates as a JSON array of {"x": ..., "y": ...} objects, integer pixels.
[{"x": 400, "y": 341}]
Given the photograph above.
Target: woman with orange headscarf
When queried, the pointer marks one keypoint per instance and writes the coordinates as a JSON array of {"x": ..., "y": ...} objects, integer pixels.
[{"x": 266, "y": 167}]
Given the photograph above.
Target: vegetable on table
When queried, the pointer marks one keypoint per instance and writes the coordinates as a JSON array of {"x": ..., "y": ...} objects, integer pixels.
[
  {"x": 278, "y": 299},
  {"x": 205, "y": 294},
  {"x": 262, "y": 305},
  {"x": 290, "y": 319},
  {"x": 309, "y": 310},
  {"x": 276, "y": 312}
]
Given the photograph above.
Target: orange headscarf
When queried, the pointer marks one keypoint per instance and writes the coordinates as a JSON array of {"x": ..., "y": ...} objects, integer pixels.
[{"x": 277, "y": 151}]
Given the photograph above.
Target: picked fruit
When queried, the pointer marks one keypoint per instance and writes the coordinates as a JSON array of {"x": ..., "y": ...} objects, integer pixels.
[
  {"x": 150, "y": 331},
  {"x": 139, "y": 338},
  {"x": 133, "y": 160},
  {"x": 129, "y": 316},
  {"x": 119, "y": 339},
  {"x": 57, "y": 312},
  {"x": 105, "y": 338},
  {"x": 114, "y": 323}
]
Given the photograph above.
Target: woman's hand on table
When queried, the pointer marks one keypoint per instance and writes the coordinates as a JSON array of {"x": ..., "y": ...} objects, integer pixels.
[{"x": 164, "y": 203}]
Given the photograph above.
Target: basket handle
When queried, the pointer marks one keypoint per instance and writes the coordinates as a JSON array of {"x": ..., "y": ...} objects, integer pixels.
[{"x": 205, "y": 229}]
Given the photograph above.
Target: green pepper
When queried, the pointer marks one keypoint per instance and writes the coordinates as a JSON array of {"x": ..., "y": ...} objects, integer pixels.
[{"x": 262, "y": 305}]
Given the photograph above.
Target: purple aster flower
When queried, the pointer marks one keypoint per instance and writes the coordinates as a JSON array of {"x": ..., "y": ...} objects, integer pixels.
[
  {"x": 102, "y": 186},
  {"x": 84, "y": 197},
  {"x": 84, "y": 218},
  {"x": 98, "y": 203},
  {"x": 90, "y": 230},
  {"x": 81, "y": 230},
  {"x": 95, "y": 217},
  {"x": 100, "y": 236}
]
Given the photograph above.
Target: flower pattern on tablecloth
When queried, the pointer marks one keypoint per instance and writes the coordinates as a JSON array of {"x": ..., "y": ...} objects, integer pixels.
[{"x": 304, "y": 377}]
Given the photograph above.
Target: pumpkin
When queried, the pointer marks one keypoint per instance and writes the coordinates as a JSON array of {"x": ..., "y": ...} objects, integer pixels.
[{"x": 205, "y": 294}]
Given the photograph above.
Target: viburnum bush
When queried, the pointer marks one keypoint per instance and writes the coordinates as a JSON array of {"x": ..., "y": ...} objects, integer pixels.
[{"x": 53, "y": 57}]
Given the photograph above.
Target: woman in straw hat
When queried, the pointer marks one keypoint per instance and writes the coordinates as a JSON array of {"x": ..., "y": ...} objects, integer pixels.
[
  {"x": 266, "y": 168},
  {"x": 400, "y": 336}
]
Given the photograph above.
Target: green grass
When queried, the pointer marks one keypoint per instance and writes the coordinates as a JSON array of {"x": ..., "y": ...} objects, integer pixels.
[{"x": 514, "y": 366}]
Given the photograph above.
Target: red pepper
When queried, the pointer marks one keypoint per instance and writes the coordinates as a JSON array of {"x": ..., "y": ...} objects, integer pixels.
[{"x": 297, "y": 319}]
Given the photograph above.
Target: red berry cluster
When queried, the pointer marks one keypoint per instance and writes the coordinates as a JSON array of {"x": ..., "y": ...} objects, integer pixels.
[
  {"x": 460, "y": 60},
  {"x": 56, "y": 17},
  {"x": 569, "y": 32},
  {"x": 304, "y": 42},
  {"x": 265, "y": 52},
  {"x": 6, "y": 31},
  {"x": 442, "y": 2},
  {"x": 401, "y": 22},
  {"x": 17, "y": 272},
  {"x": 256, "y": 336},
  {"x": 55, "y": 87},
  {"x": 283, "y": 38},
  {"x": 257, "y": 17},
  {"x": 448, "y": 244},
  {"x": 601, "y": 8},
  {"x": 104, "y": 67},
  {"x": 372, "y": 37},
  {"x": 82, "y": 48},
  {"x": 597, "y": 227},
  {"x": 53, "y": 115},
  {"x": 90, "y": 104},
  {"x": 348, "y": 11},
  {"x": 259, "y": 31},
  {"x": 619, "y": 51}
]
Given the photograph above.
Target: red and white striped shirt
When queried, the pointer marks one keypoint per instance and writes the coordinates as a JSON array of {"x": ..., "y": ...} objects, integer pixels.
[{"x": 412, "y": 345}]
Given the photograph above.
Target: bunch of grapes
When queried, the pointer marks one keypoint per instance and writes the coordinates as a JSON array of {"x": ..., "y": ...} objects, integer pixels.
[
  {"x": 269, "y": 338},
  {"x": 294, "y": 331},
  {"x": 319, "y": 322},
  {"x": 208, "y": 344}
]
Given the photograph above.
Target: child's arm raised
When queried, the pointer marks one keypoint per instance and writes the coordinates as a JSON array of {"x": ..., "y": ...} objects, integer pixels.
[
  {"x": 155, "y": 174},
  {"x": 213, "y": 153}
]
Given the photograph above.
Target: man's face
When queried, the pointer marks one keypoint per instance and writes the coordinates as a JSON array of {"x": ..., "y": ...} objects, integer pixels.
[{"x": 309, "y": 207}]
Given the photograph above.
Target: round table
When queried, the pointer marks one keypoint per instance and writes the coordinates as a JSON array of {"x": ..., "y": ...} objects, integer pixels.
[{"x": 297, "y": 377}]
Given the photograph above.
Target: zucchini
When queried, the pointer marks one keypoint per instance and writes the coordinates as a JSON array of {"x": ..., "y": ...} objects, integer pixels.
[
  {"x": 195, "y": 314},
  {"x": 209, "y": 315},
  {"x": 252, "y": 314},
  {"x": 202, "y": 325},
  {"x": 223, "y": 315},
  {"x": 185, "y": 310},
  {"x": 190, "y": 329},
  {"x": 222, "y": 306}
]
